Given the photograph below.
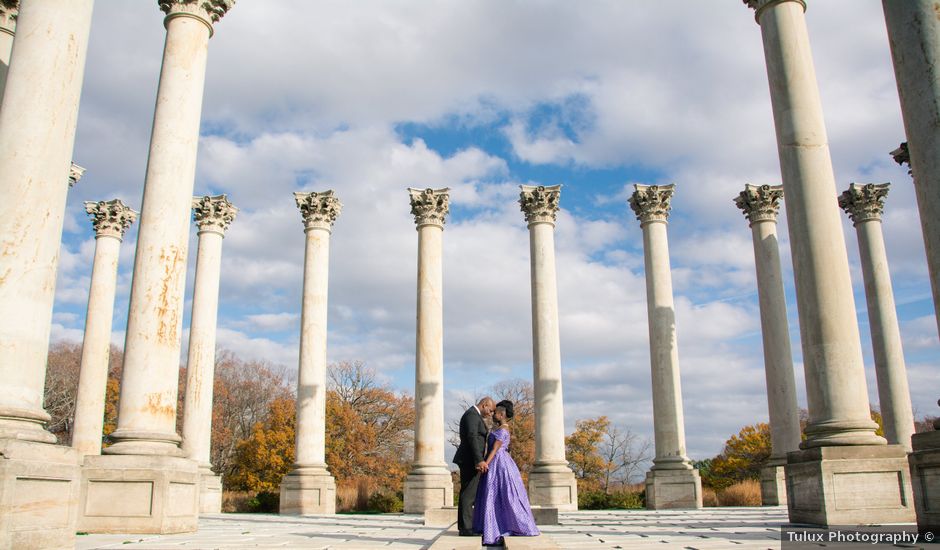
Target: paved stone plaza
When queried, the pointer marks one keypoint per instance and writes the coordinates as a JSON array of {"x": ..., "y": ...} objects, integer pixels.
[{"x": 744, "y": 528}]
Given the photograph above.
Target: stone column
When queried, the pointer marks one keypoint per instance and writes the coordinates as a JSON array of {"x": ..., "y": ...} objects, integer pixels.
[
  {"x": 110, "y": 220},
  {"x": 864, "y": 205},
  {"x": 146, "y": 445},
  {"x": 429, "y": 484},
  {"x": 8, "y": 12},
  {"x": 760, "y": 205},
  {"x": 213, "y": 216},
  {"x": 551, "y": 482},
  {"x": 37, "y": 131},
  {"x": 832, "y": 355},
  {"x": 309, "y": 488},
  {"x": 914, "y": 37},
  {"x": 672, "y": 482}
]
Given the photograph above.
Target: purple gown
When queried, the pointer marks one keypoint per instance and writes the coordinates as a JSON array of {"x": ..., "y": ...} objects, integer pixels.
[{"x": 502, "y": 505}]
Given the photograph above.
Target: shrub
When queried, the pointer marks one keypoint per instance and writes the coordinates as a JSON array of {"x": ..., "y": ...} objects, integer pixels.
[
  {"x": 742, "y": 493},
  {"x": 619, "y": 500},
  {"x": 385, "y": 502},
  {"x": 709, "y": 497},
  {"x": 264, "y": 502}
]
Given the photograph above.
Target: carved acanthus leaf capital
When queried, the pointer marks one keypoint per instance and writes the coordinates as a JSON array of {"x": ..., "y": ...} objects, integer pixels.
[
  {"x": 208, "y": 11},
  {"x": 540, "y": 203},
  {"x": 110, "y": 218},
  {"x": 760, "y": 202},
  {"x": 651, "y": 203},
  {"x": 9, "y": 9},
  {"x": 319, "y": 209},
  {"x": 430, "y": 206},
  {"x": 760, "y": 5},
  {"x": 213, "y": 213},
  {"x": 75, "y": 174},
  {"x": 902, "y": 156},
  {"x": 864, "y": 201}
]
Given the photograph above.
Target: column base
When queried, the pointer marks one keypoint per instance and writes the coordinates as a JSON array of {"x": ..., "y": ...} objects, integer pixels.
[
  {"x": 210, "y": 492},
  {"x": 673, "y": 489},
  {"x": 553, "y": 487},
  {"x": 925, "y": 478},
  {"x": 773, "y": 485},
  {"x": 866, "y": 484},
  {"x": 308, "y": 491},
  {"x": 139, "y": 494},
  {"x": 424, "y": 491},
  {"x": 39, "y": 486}
]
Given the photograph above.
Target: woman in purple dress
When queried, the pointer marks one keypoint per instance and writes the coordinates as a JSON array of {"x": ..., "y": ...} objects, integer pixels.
[{"x": 502, "y": 504}]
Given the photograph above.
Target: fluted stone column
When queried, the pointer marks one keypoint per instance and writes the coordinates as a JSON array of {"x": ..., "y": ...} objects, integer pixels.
[
  {"x": 309, "y": 488},
  {"x": 551, "y": 481},
  {"x": 760, "y": 205},
  {"x": 8, "y": 12},
  {"x": 110, "y": 220},
  {"x": 429, "y": 484},
  {"x": 146, "y": 444},
  {"x": 672, "y": 482},
  {"x": 212, "y": 215},
  {"x": 832, "y": 355},
  {"x": 38, "y": 482},
  {"x": 864, "y": 205},
  {"x": 914, "y": 37}
]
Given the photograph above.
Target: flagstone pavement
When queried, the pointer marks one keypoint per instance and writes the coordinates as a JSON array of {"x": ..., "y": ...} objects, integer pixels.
[{"x": 710, "y": 528}]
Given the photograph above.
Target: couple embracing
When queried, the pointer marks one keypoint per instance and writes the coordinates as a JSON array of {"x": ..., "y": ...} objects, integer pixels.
[{"x": 493, "y": 500}]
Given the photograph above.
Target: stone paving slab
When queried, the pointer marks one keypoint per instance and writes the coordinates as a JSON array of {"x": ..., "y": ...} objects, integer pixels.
[{"x": 707, "y": 529}]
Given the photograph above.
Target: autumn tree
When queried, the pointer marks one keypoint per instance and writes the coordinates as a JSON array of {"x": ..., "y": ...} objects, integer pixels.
[
  {"x": 742, "y": 458},
  {"x": 625, "y": 455},
  {"x": 582, "y": 450},
  {"x": 261, "y": 460},
  {"x": 62, "y": 368}
]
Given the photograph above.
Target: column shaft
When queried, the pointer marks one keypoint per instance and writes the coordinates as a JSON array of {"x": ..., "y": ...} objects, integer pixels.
[
  {"x": 914, "y": 36},
  {"x": 429, "y": 352},
  {"x": 37, "y": 132},
  {"x": 147, "y": 416},
  {"x": 835, "y": 379},
  {"x": 668, "y": 421},
  {"x": 546, "y": 349},
  {"x": 311, "y": 384},
  {"x": 894, "y": 395},
  {"x": 96, "y": 348},
  {"x": 778, "y": 359},
  {"x": 7, "y": 31}
]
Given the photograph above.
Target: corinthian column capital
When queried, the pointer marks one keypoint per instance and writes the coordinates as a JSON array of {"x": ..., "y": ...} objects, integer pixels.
[
  {"x": 110, "y": 218},
  {"x": 319, "y": 209},
  {"x": 430, "y": 206},
  {"x": 9, "y": 9},
  {"x": 864, "y": 202},
  {"x": 213, "y": 213},
  {"x": 760, "y": 202},
  {"x": 652, "y": 203},
  {"x": 75, "y": 174},
  {"x": 540, "y": 203},
  {"x": 207, "y": 11},
  {"x": 902, "y": 156},
  {"x": 760, "y": 5}
]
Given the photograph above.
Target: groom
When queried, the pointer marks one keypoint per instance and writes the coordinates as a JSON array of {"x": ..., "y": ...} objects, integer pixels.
[{"x": 471, "y": 460}]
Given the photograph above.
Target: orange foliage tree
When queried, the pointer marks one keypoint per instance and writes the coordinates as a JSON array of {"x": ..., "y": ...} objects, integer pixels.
[
  {"x": 582, "y": 449},
  {"x": 261, "y": 460}
]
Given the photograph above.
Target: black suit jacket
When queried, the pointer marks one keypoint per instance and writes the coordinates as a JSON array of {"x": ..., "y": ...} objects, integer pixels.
[{"x": 472, "y": 439}]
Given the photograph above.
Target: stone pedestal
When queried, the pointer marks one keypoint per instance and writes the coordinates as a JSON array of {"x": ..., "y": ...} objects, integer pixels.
[
  {"x": 551, "y": 481},
  {"x": 139, "y": 494},
  {"x": 666, "y": 489},
  {"x": 210, "y": 492},
  {"x": 39, "y": 486},
  {"x": 307, "y": 491},
  {"x": 849, "y": 485},
  {"x": 429, "y": 484},
  {"x": 773, "y": 485},
  {"x": 925, "y": 479}
]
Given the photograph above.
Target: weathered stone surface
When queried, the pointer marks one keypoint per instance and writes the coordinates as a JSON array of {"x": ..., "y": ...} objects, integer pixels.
[
  {"x": 849, "y": 485},
  {"x": 925, "y": 477},
  {"x": 308, "y": 491},
  {"x": 773, "y": 486},
  {"x": 672, "y": 489}
]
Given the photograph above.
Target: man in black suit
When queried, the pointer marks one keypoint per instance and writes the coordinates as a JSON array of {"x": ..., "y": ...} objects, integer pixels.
[{"x": 471, "y": 460}]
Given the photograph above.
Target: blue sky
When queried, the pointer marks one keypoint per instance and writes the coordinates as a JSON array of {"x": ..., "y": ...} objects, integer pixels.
[{"x": 370, "y": 98}]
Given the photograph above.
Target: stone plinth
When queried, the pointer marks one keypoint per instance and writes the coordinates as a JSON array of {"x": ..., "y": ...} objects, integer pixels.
[
  {"x": 210, "y": 493},
  {"x": 849, "y": 485},
  {"x": 667, "y": 489},
  {"x": 138, "y": 494},
  {"x": 773, "y": 485},
  {"x": 426, "y": 491},
  {"x": 557, "y": 489},
  {"x": 38, "y": 495},
  {"x": 307, "y": 491},
  {"x": 925, "y": 479}
]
